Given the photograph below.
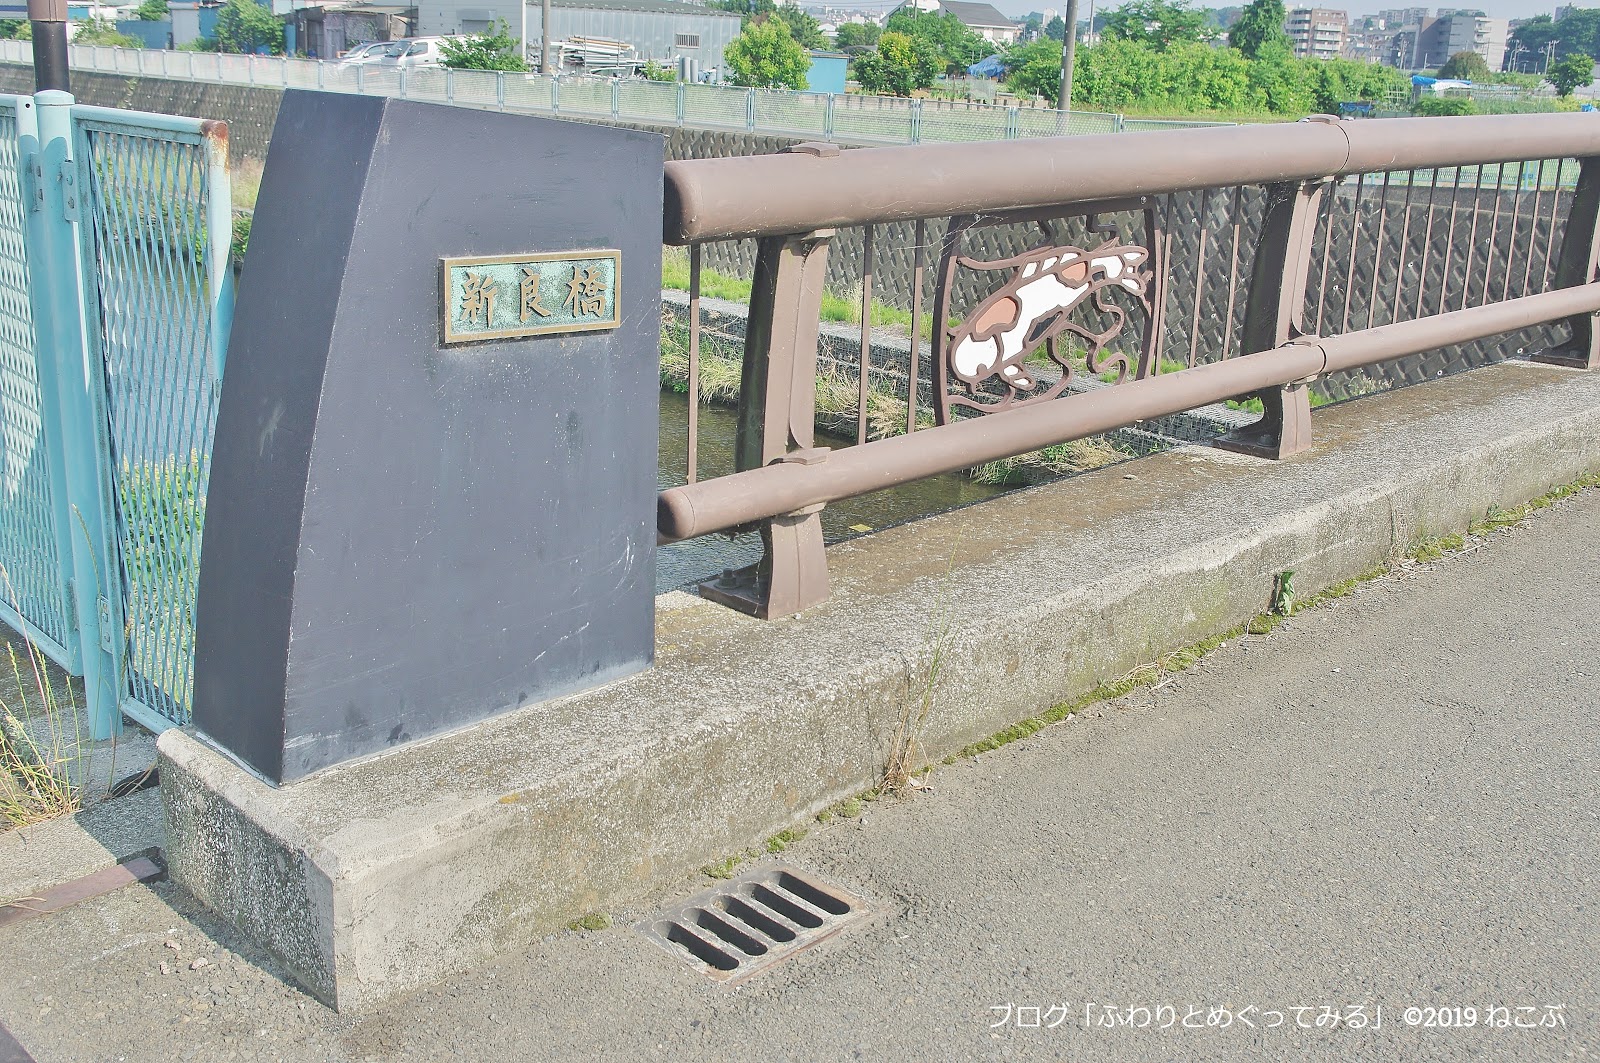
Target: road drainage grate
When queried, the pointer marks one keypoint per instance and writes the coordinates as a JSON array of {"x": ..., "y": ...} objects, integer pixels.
[{"x": 753, "y": 921}]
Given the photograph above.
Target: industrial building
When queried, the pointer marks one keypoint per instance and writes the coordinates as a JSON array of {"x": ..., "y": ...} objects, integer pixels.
[{"x": 659, "y": 30}]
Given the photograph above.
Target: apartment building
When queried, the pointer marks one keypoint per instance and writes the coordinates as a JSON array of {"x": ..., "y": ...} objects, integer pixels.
[{"x": 1317, "y": 32}]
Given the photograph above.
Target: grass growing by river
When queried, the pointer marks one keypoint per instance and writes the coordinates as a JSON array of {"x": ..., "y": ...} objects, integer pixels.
[
  {"x": 845, "y": 308},
  {"x": 838, "y": 399}
]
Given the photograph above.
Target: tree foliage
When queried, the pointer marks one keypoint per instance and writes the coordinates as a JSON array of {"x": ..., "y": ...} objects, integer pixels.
[
  {"x": 1465, "y": 66},
  {"x": 153, "y": 10},
  {"x": 804, "y": 28},
  {"x": 246, "y": 26},
  {"x": 1189, "y": 78},
  {"x": 1056, "y": 29},
  {"x": 104, "y": 31},
  {"x": 1434, "y": 106},
  {"x": 497, "y": 50},
  {"x": 901, "y": 65},
  {"x": 765, "y": 55},
  {"x": 1260, "y": 26},
  {"x": 1570, "y": 73},
  {"x": 1576, "y": 34},
  {"x": 1158, "y": 24},
  {"x": 956, "y": 44},
  {"x": 856, "y": 35}
]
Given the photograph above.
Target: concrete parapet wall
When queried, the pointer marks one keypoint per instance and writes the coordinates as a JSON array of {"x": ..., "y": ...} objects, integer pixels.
[{"x": 379, "y": 876}]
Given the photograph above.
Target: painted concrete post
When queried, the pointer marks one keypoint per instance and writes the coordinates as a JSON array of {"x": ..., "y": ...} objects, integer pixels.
[
  {"x": 78, "y": 377},
  {"x": 432, "y": 494}
]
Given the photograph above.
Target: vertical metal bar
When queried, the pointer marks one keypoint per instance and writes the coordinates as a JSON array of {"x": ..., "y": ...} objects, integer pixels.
[
  {"x": 1405, "y": 248},
  {"x": 1355, "y": 241},
  {"x": 1427, "y": 248},
  {"x": 1378, "y": 249},
  {"x": 616, "y": 99},
  {"x": 48, "y": 370},
  {"x": 1328, "y": 203},
  {"x": 914, "y": 366},
  {"x": 1579, "y": 263},
  {"x": 219, "y": 228},
  {"x": 1472, "y": 238},
  {"x": 1494, "y": 231},
  {"x": 1511, "y": 237},
  {"x": 63, "y": 306},
  {"x": 499, "y": 87},
  {"x": 827, "y": 118},
  {"x": 692, "y": 447},
  {"x": 1199, "y": 282},
  {"x": 864, "y": 367},
  {"x": 1550, "y": 242},
  {"x": 1449, "y": 244},
  {"x": 680, "y": 95},
  {"x": 1533, "y": 227},
  {"x": 1233, "y": 271}
]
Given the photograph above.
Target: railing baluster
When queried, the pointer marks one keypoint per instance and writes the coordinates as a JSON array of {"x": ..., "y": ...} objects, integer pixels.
[
  {"x": 1550, "y": 243},
  {"x": 1533, "y": 226},
  {"x": 1355, "y": 242},
  {"x": 864, "y": 369},
  {"x": 1233, "y": 270},
  {"x": 692, "y": 446},
  {"x": 914, "y": 366},
  {"x": 777, "y": 417},
  {"x": 1449, "y": 244},
  {"x": 1274, "y": 314},
  {"x": 1578, "y": 264},
  {"x": 1378, "y": 255}
]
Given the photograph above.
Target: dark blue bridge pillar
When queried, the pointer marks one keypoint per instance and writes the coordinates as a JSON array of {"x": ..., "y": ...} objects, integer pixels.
[{"x": 432, "y": 493}]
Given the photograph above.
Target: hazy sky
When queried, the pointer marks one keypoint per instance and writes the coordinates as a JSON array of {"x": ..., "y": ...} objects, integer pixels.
[{"x": 1496, "y": 8}]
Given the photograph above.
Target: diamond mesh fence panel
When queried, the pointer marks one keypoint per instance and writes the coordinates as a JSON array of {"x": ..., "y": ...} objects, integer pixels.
[
  {"x": 148, "y": 204},
  {"x": 586, "y": 96},
  {"x": 29, "y": 551},
  {"x": 709, "y": 105},
  {"x": 652, "y": 101},
  {"x": 476, "y": 87}
]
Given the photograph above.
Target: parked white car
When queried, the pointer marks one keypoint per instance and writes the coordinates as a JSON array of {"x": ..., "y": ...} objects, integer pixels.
[
  {"x": 365, "y": 53},
  {"x": 417, "y": 51}
]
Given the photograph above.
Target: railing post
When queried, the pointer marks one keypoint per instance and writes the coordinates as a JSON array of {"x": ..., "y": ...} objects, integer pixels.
[
  {"x": 777, "y": 417},
  {"x": 680, "y": 94},
  {"x": 616, "y": 100},
  {"x": 361, "y": 81},
  {"x": 916, "y": 121},
  {"x": 1273, "y": 316},
  {"x": 750, "y": 110},
  {"x": 322, "y": 70},
  {"x": 449, "y": 84},
  {"x": 500, "y": 89},
  {"x": 1578, "y": 264},
  {"x": 67, "y": 344},
  {"x": 555, "y": 93},
  {"x": 401, "y": 87},
  {"x": 1013, "y": 122},
  {"x": 827, "y": 118}
]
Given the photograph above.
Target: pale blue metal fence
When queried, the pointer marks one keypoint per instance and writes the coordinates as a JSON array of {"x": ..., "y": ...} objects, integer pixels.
[{"x": 115, "y": 301}]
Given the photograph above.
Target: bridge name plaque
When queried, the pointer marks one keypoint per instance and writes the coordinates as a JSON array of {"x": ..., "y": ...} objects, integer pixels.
[{"x": 509, "y": 296}]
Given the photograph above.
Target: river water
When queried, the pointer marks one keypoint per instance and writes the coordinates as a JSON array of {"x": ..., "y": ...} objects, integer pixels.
[{"x": 683, "y": 564}]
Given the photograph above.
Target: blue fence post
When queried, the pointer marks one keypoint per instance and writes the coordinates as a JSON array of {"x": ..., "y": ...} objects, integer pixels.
[{"x": 61, "y": 309}]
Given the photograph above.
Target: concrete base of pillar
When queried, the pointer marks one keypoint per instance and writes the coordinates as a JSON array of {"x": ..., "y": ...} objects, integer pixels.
[{"x": 379, "y": 876}]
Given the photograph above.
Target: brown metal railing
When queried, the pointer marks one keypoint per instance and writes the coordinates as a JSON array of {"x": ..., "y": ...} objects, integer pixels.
[{"x": 1246, "y": 253}]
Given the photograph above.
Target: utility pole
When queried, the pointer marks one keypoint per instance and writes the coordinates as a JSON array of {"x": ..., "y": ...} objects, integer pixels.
[
  {"x": 49, "y": 21},
  {"x": 1069, "y": 45},
  {"x": 544, "y": 37}
]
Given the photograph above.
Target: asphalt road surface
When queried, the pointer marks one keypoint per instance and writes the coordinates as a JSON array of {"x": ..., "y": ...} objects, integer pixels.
[{"x": 1371, "y": 834}]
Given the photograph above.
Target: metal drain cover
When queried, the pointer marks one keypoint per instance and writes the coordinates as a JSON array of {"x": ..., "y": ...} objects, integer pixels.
[{"x": 753, "y": 921}]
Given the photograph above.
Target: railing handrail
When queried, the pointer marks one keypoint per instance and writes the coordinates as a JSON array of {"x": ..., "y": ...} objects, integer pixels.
[
  {"x": 786, "y": 487},
  {"x": 797, "y": 192}
]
